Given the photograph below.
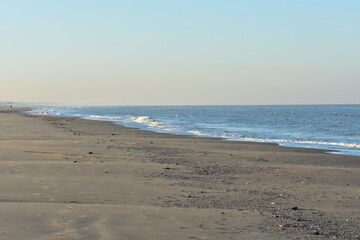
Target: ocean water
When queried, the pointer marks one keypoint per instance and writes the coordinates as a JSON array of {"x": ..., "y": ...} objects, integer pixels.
[{"x": 331, "y": 127}]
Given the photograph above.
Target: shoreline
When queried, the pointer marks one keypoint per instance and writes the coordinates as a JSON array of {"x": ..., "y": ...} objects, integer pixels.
[
  {"x": 71, "y": 178},
  {"x": 328, "y": 151},
  {"x": 331, "y": 146},
  {"x": 235, "y": 142}
]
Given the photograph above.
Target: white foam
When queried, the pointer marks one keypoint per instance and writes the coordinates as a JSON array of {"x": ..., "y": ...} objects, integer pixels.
[
  {"x": 44, "y": 111},
  {"x": 196, "y": 132},
  {"x": 141, "y": 119},
  {"x": 341, "y": 144},
  {"x": 228, "y": 136},
  {"x": 105, "y": 117},
  {"x": 203, "y": 134},
  {"x": 146, "y": 121}
]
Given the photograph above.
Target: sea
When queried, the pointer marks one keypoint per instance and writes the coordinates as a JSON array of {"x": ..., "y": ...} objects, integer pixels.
[{"x": 335, "y": 128}]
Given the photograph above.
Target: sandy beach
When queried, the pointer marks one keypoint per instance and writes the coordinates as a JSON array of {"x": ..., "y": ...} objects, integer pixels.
[{"x": 69, "y": 178}]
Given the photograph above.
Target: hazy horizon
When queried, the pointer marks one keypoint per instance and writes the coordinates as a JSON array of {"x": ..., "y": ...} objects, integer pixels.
[
  {"x": 50, "y": 104},
  {"x": 185, "y": 52}
]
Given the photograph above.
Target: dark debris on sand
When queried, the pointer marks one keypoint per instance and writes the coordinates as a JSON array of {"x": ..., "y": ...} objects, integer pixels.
[{"x": 224, "y": 187}]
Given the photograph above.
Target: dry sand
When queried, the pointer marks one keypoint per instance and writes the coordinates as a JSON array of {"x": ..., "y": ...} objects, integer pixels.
[{"x": 68, "y": 178}]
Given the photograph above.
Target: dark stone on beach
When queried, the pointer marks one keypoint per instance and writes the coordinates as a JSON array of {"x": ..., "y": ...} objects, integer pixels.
[
  {"x": 91, "y": 153},
  {"x": 75, "y": 161},
  {"x": 316, "y": 233},
  {"x": 151, "y": 142},
  {"x": 294, "y": 208},
  {"x": 113, "y": 134}
]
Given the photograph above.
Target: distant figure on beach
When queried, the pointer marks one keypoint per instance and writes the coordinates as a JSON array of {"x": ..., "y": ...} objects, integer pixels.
[{"x": 10, "y": 106}]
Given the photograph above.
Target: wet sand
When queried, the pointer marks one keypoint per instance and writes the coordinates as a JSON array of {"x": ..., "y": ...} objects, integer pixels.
[{"x": 68, "y": 178}]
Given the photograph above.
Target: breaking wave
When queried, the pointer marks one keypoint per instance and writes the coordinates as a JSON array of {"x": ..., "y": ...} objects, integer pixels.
[{"x": 146, "y": 121}]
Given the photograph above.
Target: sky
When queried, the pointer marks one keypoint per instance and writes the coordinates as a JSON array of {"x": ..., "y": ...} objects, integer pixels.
[{"x": 180, "y": 52}]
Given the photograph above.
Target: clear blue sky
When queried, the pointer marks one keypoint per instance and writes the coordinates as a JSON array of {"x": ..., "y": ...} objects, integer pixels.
[{"x": 113, "y": 52}]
